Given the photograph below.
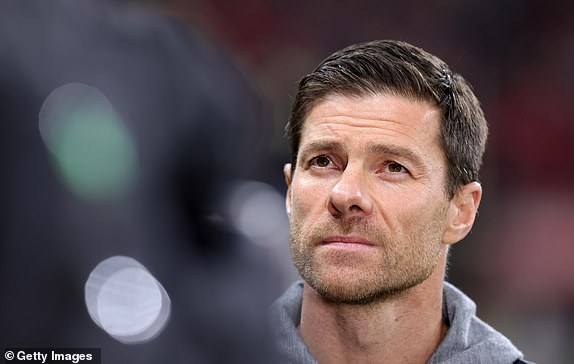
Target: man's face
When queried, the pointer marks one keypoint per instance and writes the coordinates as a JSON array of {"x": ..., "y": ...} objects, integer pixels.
[{"x": 367, "y": 202}]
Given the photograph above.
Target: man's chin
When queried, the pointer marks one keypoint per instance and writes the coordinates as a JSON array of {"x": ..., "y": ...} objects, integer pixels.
[
  {"x": 342, "y": 288},
  {"x": 356, "y": 287}
]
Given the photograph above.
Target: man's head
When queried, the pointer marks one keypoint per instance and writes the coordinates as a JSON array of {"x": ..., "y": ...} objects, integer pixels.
[
  {"x": 387, "y": 144},
  {"x": 398, "y": 68}
]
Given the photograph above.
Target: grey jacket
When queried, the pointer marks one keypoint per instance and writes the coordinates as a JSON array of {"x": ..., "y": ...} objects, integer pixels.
[{"x": 468, "y": 340}]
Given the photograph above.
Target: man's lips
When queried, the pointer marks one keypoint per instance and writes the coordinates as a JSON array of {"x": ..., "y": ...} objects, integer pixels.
[{"x": 346, "y": 241}]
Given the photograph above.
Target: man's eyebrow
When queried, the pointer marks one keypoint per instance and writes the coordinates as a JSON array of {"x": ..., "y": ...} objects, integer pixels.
[
  {"x": 396, "y": 151},
  {"x": 321, "y": 146},
  {"x": 380, "y": 149}
]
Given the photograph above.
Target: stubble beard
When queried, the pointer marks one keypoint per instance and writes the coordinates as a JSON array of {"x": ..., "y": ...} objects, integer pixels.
[{"x": 404, "y": 261}]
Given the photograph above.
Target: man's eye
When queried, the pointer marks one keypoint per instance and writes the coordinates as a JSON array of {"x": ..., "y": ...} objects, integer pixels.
[
  {"x": 321, "y": 161},
  {"x": 395, "y": 167}
]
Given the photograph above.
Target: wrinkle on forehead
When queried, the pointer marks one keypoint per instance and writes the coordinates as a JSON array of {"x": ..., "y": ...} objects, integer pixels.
[
  {"x": 337, "y": 105},
  {"x": 381, "y": 113}
]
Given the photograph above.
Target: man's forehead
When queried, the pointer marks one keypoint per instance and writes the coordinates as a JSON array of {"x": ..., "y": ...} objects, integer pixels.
[
  {"x": 367, "y": 95},
  {"x": 369, "y": 112}
]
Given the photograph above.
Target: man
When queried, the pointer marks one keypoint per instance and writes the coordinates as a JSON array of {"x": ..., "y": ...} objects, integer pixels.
[{"x": 386, "y": 146}]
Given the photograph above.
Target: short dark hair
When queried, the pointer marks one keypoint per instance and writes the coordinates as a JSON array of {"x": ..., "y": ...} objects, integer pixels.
[{"x": 399, "y": 68}]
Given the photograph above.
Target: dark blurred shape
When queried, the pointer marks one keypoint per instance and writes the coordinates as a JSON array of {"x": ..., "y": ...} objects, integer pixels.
[{"x": 193, "y": 124}]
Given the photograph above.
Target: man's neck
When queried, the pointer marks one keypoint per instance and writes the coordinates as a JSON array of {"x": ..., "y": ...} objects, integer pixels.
[{"x": 403, "y": 329}]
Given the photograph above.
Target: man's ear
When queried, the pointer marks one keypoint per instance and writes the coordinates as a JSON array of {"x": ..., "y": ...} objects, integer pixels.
[
  {"x": 287, "y": 173},
  {"x": 461, "y": 212}
]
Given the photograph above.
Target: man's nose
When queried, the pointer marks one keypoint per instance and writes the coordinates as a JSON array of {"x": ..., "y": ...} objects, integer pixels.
[{"x": 349, "y": 196}]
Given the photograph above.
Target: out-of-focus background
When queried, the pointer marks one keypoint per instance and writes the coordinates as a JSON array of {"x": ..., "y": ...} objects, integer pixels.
[{"x": 196, "y": 94}]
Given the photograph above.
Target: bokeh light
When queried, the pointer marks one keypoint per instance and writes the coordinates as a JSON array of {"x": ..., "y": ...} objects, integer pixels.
[
  {"x": 88, "y": 141},
  {"x": 258, "y": 211},
  {"x": 126, "y": 301}
]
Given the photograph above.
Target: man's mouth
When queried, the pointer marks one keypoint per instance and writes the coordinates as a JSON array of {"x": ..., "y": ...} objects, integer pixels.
[{"x": 344, "y": 241}]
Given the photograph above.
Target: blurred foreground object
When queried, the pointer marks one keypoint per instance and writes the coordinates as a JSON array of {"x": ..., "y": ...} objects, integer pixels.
[{"x": 121, "y": 134}]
